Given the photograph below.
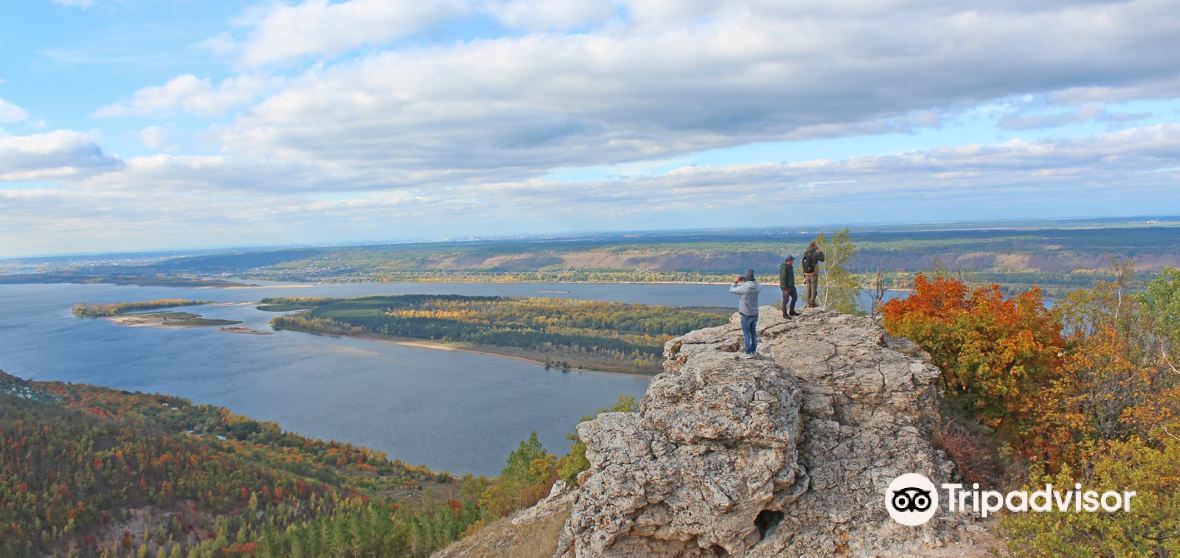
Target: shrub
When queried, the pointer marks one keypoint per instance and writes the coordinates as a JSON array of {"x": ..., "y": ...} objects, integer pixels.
[{"x": 1151, "y": 528}]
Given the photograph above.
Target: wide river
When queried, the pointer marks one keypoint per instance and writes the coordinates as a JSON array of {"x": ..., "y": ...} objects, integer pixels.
[{"x": 454, "y": 411}]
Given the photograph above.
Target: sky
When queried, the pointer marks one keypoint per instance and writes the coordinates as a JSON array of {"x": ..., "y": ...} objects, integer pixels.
[{"x": 181, "y": 124}]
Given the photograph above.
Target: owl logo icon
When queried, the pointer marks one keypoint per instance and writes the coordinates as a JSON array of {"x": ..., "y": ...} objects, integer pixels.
[{"x": 911, "y": 499}]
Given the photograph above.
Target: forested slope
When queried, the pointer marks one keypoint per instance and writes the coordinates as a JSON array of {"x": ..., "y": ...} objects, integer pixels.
[{"x": 90, "y": 471}]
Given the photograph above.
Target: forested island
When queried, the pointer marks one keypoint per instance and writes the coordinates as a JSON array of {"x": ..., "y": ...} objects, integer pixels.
[
  {"x": 91, "y": 471},
  {"x": 117, "y": 308},
  {"x": 133, "y": 313},
  {"x": 563, "y": 333}
]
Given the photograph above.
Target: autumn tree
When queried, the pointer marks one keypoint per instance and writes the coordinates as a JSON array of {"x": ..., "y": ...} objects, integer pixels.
[
  {"x": 1091, "y": 389},
  {"x": 997, "y": 355}
]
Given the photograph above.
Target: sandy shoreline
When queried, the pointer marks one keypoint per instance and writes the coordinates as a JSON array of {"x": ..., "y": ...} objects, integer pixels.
[{"x": 168, "y": 319}]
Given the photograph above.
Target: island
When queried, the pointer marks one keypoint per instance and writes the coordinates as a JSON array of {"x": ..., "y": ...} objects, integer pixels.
[
  {"x": 136, "y": 313},
  {"x": 562, "y": 333}
]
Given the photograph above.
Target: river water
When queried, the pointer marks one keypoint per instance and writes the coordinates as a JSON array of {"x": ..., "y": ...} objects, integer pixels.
[{"x": 453, "y": 411}]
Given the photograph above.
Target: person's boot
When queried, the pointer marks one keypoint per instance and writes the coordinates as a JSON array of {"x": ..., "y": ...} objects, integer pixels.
[{"x": 794, "y": 313}]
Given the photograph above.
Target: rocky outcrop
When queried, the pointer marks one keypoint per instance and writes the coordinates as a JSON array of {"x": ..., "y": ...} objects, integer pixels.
[{"x": 788, "y": 454}]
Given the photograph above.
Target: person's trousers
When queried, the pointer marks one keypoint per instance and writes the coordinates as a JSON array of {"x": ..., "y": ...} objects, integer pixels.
[
  {"x": 790, "y": 297},
  {"x": 750, "y": 333},
  {"x": 812, "y": 280}
]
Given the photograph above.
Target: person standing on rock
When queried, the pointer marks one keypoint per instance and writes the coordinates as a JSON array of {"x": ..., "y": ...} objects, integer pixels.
[
  {"x": 786, "y": 282},
  {"x": 747, "y": 290},
  {"x": 811, "y": 259}
]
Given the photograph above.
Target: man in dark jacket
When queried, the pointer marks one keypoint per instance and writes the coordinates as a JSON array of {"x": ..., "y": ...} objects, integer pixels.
[
  {"x": 811, "y": 259},
  {"x": 786, "y": 282}
]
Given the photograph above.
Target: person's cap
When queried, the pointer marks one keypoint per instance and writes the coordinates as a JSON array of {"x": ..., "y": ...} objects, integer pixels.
[
  {"x": 791, "y": 258},
  {"x": 749, "y": 275}
]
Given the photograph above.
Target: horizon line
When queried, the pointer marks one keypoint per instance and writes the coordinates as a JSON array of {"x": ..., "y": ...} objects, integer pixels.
[{"x": 862, "y": 227}]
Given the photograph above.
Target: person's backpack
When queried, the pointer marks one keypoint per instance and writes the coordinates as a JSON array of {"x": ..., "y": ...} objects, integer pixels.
[{"x": 809, "y": 262}]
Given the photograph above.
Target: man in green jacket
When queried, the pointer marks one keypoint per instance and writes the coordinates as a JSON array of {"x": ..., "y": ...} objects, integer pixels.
[
  {"x": 811, "y": 259},
  {"x": 786, "y": 282}
]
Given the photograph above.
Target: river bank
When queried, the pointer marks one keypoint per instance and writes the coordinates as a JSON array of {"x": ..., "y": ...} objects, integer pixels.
[{"x": 167, "y": 319}]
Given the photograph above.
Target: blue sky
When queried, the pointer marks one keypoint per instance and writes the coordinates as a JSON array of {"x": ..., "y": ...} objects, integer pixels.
[{"x": 134, "y": 124}]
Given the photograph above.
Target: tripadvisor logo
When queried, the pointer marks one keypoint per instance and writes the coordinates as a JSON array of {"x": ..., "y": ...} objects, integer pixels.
[{"x": 912, "y": 500}]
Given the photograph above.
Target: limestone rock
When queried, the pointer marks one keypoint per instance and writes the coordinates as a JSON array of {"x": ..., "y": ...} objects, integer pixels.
[
  {"x": 560, "y": 497},
  {"x": 788, "y": 454}
]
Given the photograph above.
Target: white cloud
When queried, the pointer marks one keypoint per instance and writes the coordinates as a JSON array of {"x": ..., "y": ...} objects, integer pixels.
[
  {"x": 56, "y": 154},
  {"x": 286, "y": 32},
  {"x": 158, "y": 138},
  {"x": 221, "y": 44},
  {"x": 191, "y": 94},
  {"x": 682, "y": 77},
  {"x": 1135, "y": 171},
  {"x": 1089, "y": 112},
  {"x": 551, "y": 14},
  {"x": 10, "y": 113},
  {"x": 453, "y": 138}
]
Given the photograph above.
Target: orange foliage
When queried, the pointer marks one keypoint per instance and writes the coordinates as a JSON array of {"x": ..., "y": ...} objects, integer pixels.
[{"x": 999, "y": 356}]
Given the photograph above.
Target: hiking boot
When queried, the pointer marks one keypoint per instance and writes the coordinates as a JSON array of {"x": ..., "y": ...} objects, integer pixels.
[{"x": 794, "y": 313}]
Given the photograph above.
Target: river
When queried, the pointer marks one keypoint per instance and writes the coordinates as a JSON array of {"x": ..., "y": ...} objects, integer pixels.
[{"x": 452, "y": 411}]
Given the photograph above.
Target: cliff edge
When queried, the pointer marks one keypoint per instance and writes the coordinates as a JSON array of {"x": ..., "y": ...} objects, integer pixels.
[
  {"x": 789, "y": 454},
  {"x": 786, "y": 455}
]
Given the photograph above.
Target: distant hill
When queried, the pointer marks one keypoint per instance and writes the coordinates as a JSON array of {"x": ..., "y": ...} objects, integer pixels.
[{"x": 1059, "y": 255}]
